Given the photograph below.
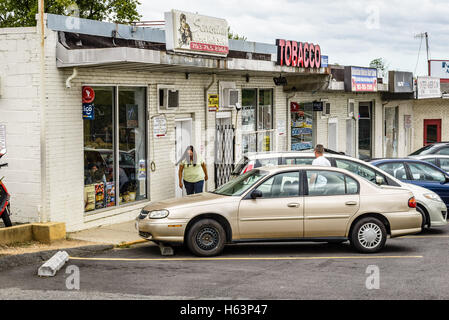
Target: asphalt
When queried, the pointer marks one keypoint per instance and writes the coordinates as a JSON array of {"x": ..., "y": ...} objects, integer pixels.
[{"x": 412, "y": 267}]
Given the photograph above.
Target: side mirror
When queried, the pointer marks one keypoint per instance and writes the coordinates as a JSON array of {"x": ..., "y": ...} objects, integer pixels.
[
  {"x": 446, "y": 179},
  {"x": 256, "y": 194},
  {"x": 380, "y": 180}
]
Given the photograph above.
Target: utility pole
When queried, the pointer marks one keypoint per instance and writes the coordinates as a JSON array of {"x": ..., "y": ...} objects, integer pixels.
[
  {"x": 425, "y": 35},
  {"x": 43, "y": 214}
]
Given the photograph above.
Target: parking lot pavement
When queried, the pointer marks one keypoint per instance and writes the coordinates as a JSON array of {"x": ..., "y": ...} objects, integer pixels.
[{"x": 412, "y": 267}]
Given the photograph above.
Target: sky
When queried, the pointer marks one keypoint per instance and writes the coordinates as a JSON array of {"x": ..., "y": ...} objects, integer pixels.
[{"x": 349, "y": 32}]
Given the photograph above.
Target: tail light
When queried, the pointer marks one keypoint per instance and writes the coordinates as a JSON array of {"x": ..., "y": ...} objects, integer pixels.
[
  {"x": 249, "y": 167},
  {"x": 412, "y": 202}
]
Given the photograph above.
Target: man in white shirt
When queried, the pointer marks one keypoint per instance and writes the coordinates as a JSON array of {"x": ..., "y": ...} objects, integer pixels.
[
  {"x": 319, "y": 181},
  {"x": 320, "y": 159}
]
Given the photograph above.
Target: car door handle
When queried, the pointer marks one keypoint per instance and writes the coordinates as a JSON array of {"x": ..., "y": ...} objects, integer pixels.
[
  {"x": 351, "y": 203},
  {"x": 293, "y": 205}
]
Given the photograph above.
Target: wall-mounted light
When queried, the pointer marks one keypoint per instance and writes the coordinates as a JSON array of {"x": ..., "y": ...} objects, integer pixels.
[
  {"x": 187, "y": 76},
  {"x": 247, "y": 77}
]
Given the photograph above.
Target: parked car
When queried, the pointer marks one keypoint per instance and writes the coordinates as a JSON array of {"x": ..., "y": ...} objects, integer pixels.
[
  {"x": 438, "y": 160},
  {"x": 418, "y": 172},
  {"x": 285, "y": 203},
  {"x": 433, "y": 148},
  {"x": 429, "y": 204}
]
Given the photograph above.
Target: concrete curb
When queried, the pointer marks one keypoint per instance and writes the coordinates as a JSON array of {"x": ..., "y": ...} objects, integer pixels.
[
  {"x": 8, "y": 262},
  {"x": 130, "y": 243}
]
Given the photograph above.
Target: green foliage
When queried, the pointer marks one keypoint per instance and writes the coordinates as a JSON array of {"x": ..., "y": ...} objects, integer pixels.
[
  {"x": 235, "y": 36},
  {"x": 380, "y": 64},
  {"x": 22, "y": 13}
]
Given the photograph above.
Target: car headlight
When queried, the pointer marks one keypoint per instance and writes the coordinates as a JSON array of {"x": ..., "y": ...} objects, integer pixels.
[
  {"x": 158, "y": 214},
  {"x": 433, "y": 196}
]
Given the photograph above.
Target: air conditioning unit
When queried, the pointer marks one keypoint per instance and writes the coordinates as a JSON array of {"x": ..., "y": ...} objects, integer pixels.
[
  {"x": 168, "y": 99},
  {"x": 230, "y": 97}
]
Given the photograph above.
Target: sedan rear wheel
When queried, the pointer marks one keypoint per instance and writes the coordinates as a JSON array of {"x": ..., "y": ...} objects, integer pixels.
[
  {"x": 206, "y": 238},
  {"x": 369, "y": 235}
]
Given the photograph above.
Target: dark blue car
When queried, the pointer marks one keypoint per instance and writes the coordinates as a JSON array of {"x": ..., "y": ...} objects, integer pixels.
[{"x": 418, "y": 172}]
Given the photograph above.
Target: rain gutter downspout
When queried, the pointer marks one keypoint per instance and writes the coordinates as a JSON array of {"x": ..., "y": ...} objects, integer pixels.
[
  {"x": 206, "y": 114},
  {"x": 68, "y": 83}
]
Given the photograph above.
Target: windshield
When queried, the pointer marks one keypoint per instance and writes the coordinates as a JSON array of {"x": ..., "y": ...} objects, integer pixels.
[
  {"x": 423, "y": 150},
  {"x": 239, "y": 185}
]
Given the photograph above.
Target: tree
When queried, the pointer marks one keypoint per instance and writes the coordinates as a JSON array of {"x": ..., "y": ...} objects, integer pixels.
[
  {"x": 235, "y": 36},
  {"x": 381, "y": 65},
  {"x": 22, "y": 13}
]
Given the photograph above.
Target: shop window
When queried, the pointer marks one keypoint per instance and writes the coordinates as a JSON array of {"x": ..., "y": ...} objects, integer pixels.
[
  {"x": 257, "y": 119},
  {"x": 115, "y": 166},
  {"x": 301, "y": 126}
]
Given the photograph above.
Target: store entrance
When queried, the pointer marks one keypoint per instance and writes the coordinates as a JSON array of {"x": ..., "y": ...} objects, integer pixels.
[
  {"x": 432, "y": 131},
  {"x": 183, "y": 131},
  {"x": 365, "y": 130}
]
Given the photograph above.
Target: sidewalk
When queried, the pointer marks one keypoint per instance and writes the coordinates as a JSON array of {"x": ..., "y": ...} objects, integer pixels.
[{"x": 116, "y": 234}]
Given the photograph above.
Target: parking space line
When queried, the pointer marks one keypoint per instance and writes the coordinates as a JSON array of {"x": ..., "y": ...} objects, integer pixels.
[
  {"x": 247, "y": 258},
  {"x": 417, "y": 237}
]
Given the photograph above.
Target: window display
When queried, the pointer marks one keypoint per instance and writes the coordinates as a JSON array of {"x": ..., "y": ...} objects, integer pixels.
[
  {"x": 301, "y": 126},
  {"x": 115, "y": 153}
]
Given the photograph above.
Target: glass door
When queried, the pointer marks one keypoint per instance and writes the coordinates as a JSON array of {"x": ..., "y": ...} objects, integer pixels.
[{"x": 301, "y": 126}]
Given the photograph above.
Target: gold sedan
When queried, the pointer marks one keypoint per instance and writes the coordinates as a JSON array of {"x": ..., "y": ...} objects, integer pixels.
[{"x": 285, "y": 203}]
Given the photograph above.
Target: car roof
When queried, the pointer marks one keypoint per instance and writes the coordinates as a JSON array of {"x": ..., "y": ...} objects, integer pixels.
[
  {"x": 273, "y": 169},
  {"x": 427, "y": 156}
]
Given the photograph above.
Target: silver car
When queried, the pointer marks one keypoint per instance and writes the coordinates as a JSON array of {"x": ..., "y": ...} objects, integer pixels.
[
  {"x": 429, "y": 204},
  {"x": 440, "y": 161}
]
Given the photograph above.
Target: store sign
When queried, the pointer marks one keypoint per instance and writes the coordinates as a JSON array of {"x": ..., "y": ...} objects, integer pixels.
[
  {"x": 88, "y": 111},
  {"x": 212, "y": 102},
  {"x": 192, "y": 33},
  {"x": 400, "y": 82},
  {"x": 428, "y": 87},
  {"x": 88, "y": 95},
  {"x": 439, "y": 69},
  {"x": 159, "y": 126},
  {"x": 132, "y": 116},
  {"x": 324, "y": 61},
  {"x": 317, "y": 106},
  {"x": 2, "y": 139},
  {"x": 359, "y": 79},
  {"x": 298, "y": 54}
]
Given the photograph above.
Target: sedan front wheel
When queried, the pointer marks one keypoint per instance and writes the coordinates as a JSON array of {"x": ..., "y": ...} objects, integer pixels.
[
  {"x": 369, "y": 235},
  {"x": 206, "y": 238}
]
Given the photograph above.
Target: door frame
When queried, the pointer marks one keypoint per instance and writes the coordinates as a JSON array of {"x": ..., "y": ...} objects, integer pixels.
[{"x": 431, "y": 122}]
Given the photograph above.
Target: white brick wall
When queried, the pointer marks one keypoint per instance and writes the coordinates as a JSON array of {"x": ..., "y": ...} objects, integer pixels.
[{"x": 19, "y": 111}]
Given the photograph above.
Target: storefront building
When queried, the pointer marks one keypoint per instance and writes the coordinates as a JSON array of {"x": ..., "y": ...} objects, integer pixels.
[
  {"x": 121, "y": 104},
  {"x": 431, "y": 106}
]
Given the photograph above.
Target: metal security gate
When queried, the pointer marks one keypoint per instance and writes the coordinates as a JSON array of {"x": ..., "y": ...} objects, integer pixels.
[{"x": 224, "y": 153}]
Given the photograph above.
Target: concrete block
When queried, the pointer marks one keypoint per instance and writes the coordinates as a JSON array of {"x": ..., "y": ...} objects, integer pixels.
[
  {"x": 49, "y": 232},
  {"x": 16, "y": 234}
]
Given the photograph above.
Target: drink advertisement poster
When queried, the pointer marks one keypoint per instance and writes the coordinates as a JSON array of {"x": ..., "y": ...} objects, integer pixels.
[
  {"x": 110, "y": 194},
  {"x": 99, "y": 196}
]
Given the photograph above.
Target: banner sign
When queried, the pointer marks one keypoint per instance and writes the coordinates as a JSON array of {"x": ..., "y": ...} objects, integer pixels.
[
  {"x": 298, "y": 54},
  {"x": 88, "y": 95},
  {"x": 193, "y": 33},
  {"x": 428, "y": 87},
  {"x": 400, "y": 82},
  {"x": 358, "y": 79},
  {"x": 439, "y": 69}
]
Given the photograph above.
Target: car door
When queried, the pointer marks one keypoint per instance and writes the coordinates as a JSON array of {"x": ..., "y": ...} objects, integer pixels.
[
  {"x": 330, "y": 200},
  {"x": 278, "y": 213},
  {"x": 427, "y": 176}
]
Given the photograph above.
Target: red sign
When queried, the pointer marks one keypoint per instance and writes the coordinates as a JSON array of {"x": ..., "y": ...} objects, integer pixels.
[
  {"x": 88, "y": 95},
  {"x": 298, "y": 54},
  {"x": 209, "y": 47}
]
